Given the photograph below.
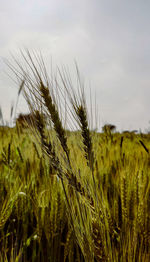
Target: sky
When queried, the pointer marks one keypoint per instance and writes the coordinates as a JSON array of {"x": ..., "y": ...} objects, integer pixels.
[{"x": 109, "y": 40}]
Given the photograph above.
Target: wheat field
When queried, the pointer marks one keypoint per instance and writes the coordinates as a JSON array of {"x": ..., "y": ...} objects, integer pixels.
[{"x": 70, "y": 195}]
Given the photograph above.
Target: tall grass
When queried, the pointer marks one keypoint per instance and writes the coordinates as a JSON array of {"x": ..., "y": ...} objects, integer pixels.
[{"x": 70, "y": 195}]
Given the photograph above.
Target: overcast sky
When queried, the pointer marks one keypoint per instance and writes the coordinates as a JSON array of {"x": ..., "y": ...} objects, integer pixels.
[{"x": 109, "y": 39}]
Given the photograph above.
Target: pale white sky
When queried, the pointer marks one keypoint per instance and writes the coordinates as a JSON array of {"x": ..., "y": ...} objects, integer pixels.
[{"x": 109, "y": 39}]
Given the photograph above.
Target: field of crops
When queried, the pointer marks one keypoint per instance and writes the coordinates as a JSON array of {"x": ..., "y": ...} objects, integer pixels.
[
  {"x": 85, "y": 213},
  {"x": 70, "y": 196}
]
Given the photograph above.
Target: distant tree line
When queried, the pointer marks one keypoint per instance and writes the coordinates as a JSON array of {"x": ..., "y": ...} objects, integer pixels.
[
  {"x": 109, "y": 128},
  {"x": 27, "y": 120}
]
